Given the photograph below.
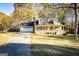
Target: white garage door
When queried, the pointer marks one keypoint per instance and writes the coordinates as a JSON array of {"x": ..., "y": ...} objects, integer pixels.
[{"x": 26, "y": 29}]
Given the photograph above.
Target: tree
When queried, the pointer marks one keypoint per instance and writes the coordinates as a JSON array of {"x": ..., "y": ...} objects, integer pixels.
[
  {"x": 76, "y": 21},
  {"x": 25, "y": 12},
  {"x": 74, "y": 7},
  {"x": 5, "y": 22}
]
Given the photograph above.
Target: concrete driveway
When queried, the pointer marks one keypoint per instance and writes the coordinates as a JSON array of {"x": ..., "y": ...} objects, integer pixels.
[{"x": 17, "y": 46}]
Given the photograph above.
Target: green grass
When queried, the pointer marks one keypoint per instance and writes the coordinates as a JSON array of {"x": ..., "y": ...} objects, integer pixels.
[
  {"x": 71, "y": 35},
  {"x": 62, "y": 37},
  {"x": 67, "y": 36}
]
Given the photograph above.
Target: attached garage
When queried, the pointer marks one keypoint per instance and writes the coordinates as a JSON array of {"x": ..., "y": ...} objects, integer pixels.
[{"x": 26, "y": 29}]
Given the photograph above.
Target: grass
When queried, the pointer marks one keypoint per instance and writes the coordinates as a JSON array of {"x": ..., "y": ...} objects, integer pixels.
[
  {"x": 5, "y": 37},
  {"x": 3, "y": 40},
  {"x": 46, "y": 45}
]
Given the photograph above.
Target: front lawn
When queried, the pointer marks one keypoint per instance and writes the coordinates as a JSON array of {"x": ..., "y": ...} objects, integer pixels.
[
  {"x": 46, "y": 45},
  {"x": 5, "y": 37}
]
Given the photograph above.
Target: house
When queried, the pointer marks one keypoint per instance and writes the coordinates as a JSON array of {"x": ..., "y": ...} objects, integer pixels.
[{"x": 50, "y": 27}]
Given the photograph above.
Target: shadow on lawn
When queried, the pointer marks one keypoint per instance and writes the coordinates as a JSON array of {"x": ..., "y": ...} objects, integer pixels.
[
  {"x": 53, "y": 50},
  {"x": 15, "y": 49}
]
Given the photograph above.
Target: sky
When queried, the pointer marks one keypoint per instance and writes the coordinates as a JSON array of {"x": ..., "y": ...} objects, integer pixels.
[{"x": 6, "y": 8}]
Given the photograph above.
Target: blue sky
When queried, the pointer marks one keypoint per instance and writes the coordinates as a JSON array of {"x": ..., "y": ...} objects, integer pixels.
[{"x": 6, "y": 8}]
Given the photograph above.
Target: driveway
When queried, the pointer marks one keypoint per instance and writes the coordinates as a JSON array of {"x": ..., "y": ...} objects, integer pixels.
[{"x": 17, "y": 46}]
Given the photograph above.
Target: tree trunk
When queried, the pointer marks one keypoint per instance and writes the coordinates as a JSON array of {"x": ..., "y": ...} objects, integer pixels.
[
  {"x": 76, "y": 21},
  {"x": 34, "y": 25}
]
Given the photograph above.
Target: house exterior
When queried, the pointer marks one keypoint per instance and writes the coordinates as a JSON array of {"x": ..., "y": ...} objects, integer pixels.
[{"x": 49, "y": 28}]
